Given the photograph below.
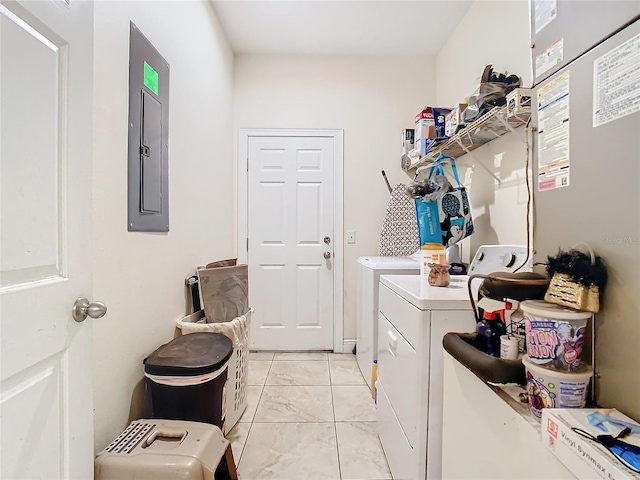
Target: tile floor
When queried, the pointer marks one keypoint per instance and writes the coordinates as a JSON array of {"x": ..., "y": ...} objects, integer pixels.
[{"x": 309, "y": 416}]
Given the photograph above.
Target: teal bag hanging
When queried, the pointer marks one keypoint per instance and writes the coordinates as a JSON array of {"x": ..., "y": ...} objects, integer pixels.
[
  {"x": 428, "y": 215},
  {"x": 446, "y": 220}
]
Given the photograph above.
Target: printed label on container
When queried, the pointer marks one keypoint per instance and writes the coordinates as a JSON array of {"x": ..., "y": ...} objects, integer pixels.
[
  {"x": 540, "y": 395},
  {"x": 560, "y": 342},
  {"x": 547, "y": 394},
  {"x": 541, "y": 339},
  {"x": 431, "y": 256},
  {"x": 572, "y": 394}
]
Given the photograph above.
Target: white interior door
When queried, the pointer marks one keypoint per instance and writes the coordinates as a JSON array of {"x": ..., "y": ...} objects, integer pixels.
[
  {"x": 291, "y": 242},
  {"x": 46, "y": 406}
]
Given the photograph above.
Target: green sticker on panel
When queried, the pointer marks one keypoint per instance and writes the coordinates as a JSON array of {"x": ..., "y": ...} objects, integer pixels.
[{"x": 150, "y": 78}]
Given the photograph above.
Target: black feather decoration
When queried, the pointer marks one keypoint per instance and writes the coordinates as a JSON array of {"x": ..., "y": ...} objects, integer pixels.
[{"x": 578, "y": 266}]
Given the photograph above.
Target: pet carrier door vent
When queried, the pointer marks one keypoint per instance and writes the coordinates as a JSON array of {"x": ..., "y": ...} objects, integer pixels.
[{"x": 128, "y": 439}]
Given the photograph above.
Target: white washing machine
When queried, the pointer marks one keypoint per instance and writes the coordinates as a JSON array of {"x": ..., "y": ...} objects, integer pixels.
[
  {"x": 369, "y": 271},
  {"x": 413, "y": 318}
]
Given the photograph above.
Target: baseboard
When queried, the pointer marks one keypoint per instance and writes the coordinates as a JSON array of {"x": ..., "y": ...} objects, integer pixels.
[{"x": 348, "y": 344}]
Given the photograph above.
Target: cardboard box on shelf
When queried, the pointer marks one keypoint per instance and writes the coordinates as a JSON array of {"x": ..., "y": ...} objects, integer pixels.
[
  {"x": 423, "y": 146},
  {"x": 407, "y": 141},
  {"x": 425, "y": 129},
  {"x": 583, "y": 457},
  {"x": 430, "y": 117},
  {"x": 439, "y": 119},
  {"x": 518, "y": 102},
  {"x": 425, "y": 113},
  {"x": 454, "y": 119},
  {"x": 408, "y": 136}
]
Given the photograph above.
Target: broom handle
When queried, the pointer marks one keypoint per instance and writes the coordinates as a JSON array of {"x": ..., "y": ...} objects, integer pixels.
[{"x": 386, "y": 180}]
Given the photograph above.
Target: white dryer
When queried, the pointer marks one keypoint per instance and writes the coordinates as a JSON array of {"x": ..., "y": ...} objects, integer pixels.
[{"x": 369, "y": 271}]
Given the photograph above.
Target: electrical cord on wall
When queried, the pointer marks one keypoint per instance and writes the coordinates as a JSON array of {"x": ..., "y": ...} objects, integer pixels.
[
  {"x": 529, "y": 130},
  {"x": 529, "y": 196}
]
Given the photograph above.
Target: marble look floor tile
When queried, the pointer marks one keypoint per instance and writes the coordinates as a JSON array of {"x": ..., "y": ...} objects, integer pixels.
[
  {"x": 353, "y": 403},
  {"x": 253, "y": 397},
  {"x": 295, "y": 404},
  {"x": 262, "y": 356},
  {"x": 341, "y": 357},
  {"x": 346, "y": 373},
  {"x": 257, "y": 372},
  {"x": 360, "y": 452},
  {"x": 238, "y": 437},
  {"x": 290, "y": 451},
  {"x": 299, "y": 373},
  {"x": 300, "y": 356}
]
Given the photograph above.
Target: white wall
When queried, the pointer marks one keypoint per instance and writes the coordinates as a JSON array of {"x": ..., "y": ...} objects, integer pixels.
[
  {"x": 372, "y": 99},
  {"x": 497, "y": 33},
  {"x": 140, "y": 276}
]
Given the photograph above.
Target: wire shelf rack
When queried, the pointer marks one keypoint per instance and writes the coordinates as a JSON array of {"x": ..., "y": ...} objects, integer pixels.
[{"x": 493, "y": 124}]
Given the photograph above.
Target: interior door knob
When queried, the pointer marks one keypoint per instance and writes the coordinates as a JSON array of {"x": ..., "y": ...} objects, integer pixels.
[
  {"x": 82, "y": 308},
  {"x": 327, "y": 255}
]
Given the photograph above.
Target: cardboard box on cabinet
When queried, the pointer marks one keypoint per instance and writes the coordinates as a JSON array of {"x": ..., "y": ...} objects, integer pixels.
[{"x": 583, "y": 457}]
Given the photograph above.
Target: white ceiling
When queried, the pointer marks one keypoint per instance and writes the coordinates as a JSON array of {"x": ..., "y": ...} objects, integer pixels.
[{"x": 339, "y": 27}]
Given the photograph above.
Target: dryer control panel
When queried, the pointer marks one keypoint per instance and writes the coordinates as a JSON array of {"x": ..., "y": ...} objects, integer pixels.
[{"x": 501, "y": 258}]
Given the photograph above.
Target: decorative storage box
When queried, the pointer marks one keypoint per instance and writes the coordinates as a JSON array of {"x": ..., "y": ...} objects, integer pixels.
[{"x": 568, "y": 293}]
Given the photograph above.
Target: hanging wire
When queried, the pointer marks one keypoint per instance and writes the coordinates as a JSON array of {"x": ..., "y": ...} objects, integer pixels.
[{"x": 526, "y": 174}]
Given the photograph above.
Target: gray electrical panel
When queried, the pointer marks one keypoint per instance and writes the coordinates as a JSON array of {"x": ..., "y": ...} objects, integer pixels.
[
  {"x": 562, "y": 30},
  {"x": 148, "y": 184}
]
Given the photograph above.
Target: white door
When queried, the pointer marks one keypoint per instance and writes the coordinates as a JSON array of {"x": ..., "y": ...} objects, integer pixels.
[
  {"x": 291, "y": 242},
  {"x": 46, "y": 404}
]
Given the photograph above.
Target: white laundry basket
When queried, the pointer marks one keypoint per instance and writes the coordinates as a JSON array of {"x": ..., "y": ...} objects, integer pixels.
[{"x": 236, "y": 388}]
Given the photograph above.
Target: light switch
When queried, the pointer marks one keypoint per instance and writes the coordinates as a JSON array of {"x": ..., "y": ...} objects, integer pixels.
[{"x": 351, "y": 236}]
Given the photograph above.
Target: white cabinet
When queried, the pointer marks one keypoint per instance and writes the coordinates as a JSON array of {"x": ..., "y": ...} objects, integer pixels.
[
  {"x": 488, "y": 436},
  {"x": 413, "y": 319}
]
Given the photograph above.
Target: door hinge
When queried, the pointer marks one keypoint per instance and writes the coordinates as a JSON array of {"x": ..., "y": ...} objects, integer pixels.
[
  {"x": 247, "y": 164},
  {"x": 247, "y": 244}
]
